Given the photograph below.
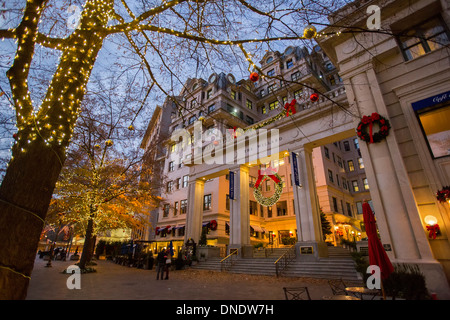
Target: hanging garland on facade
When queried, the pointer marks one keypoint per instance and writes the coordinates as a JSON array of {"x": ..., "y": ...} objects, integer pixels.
[
  {"x": 257, "y": 192},
  {"x": 365, "y": 128}
]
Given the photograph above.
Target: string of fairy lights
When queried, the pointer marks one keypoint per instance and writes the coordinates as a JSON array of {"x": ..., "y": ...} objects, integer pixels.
[{"x": 55, "y": 120}]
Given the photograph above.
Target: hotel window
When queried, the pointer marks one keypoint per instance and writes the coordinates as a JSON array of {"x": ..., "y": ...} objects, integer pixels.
[
  {"x": 267, "y": 185},
  {"x": 346, "y": 146},
  {"x": 227, "y": 202},
  {"x": 249, "y": 120},
  {"x": 263, "y": 110},
  {"x": 359, "y": 207},
  {"x": 366, "y": 184},
  {"x": 261, "y": 210},
  {"x": 262, "y": 93},
  {"x": 272, "y": 88},
  {"x": 339, "y": 161},
  {"x": 435, "y": 124},
  {"x": 166, "y": 210},
  {"x": 360, "y": 163},
  {"x": 253, "y": 207},
  {"x": 349, "y": 209},
  {"x": 185, "y": 181},
  {"x": 351, "y": 166},
  {"x": 344, "y": 183},
  {"x": 178, "y": 183},
  {"x": 175, "y": 208},
  {"x": 172, "y": 147},
  {"x": 207, "y": 202},
  {"x": 330, "y": 176},
  {"x": 355, "y": 186},
  {"x": 208, "y": 94},
  {"x": 298, "y": 95},
  {"x": 252, "y": 181},
  {"x": 295, "y": 76},
  {"x": 327, "y": 153},
  {"x": 273, "y": 105},
  {"x": 424, "y": 38},
  {"x": 183, "y": 206},
  {"x": 271, "y": 72},
  {"x": 192, "y": 119},
  {"x": 233, "y": 94},
  {"x": 335, "y": 206},
  {"x": 283, "y": 181},
  {"x": 289, "y": 64},
  {"x": 169, "y": 187},
  {"x": 171, "y": 166},
  {"x": 249, "y": 104},
  {"x": 356, "y": 143},
  {"x": 211, "y": 108},
  {"x": 269, "y": 212},
  {"x": 193, "y": 103}
]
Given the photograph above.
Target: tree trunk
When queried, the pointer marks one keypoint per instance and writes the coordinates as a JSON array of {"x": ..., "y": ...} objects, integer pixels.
[
  {"x": 38, "y": 158},
  {"x": 25, "y": 195},
  {"x": 86, "y": 255}
]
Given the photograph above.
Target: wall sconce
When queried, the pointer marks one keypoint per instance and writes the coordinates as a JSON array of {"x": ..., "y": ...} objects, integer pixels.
[{"x": 432, "y": 226}]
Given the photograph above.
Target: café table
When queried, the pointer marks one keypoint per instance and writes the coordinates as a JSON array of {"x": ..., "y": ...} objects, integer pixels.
[
  {"x": 360, "y": 291},
  {"x": 340, "y": 297}
]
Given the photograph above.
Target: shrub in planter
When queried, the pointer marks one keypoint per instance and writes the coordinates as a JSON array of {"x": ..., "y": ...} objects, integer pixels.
[
  {"x": 406, "y": 282},
  {"x": 361, "y": 265}
]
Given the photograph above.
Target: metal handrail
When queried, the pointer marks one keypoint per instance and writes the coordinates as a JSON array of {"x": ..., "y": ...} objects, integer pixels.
[
  {"x": 283, "y": 261},
  {"x": 227, "y": 262}
]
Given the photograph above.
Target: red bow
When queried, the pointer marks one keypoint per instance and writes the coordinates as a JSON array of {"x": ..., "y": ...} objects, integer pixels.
[
  {"x": 269, "y": 173},
  {"x": 290, "y": 107},
  {"x": 433, "y": 230}
]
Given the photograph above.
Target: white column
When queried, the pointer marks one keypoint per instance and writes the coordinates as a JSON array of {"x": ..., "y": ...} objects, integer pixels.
[
  {"x": 239, "y": 212},
  {"x": 306, "y": 205},
  {"x": 195, "y": 210}
]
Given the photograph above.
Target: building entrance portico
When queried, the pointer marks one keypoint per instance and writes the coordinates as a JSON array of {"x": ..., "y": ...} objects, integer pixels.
[{"x": 306, "y": 226}]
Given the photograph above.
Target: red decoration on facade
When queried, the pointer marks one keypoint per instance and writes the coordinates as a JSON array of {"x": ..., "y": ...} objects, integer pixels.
[
  {"x": 367, "y": 122},
  {"x": 290, "y": 108},
  {"x": 434, "y": 230},
  {"x": 314, "y": 97}
]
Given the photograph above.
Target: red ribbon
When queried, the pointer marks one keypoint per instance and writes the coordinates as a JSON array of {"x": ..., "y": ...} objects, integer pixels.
[
  {"x": 370, "y": 132},
  {"x": 290, "y": 107},
  {"x": 261, "y": 177},
  {"x": 433, "y": 230}
]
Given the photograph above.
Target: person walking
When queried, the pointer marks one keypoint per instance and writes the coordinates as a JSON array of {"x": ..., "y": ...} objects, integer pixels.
[
  {"x": 160, "y": 264},
  {"x": 168, "y": 263}
]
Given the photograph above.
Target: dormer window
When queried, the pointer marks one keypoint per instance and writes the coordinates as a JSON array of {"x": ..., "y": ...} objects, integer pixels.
[{"x": 269, "y": 60}]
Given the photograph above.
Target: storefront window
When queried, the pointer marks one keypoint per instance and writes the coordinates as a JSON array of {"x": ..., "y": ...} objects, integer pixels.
[{"x": 435, "y": 123}]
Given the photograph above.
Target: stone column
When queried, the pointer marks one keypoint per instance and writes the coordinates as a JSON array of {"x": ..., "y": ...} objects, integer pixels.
[
  {"x": 307, "y": 209},
  {"x": 239, "y": 214},
  {"x": 195, "y": 210},
  {"x": 392, "y": 196}
]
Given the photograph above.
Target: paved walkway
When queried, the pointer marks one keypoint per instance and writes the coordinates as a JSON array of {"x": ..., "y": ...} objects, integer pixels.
[{"x": 113, "y": 282}]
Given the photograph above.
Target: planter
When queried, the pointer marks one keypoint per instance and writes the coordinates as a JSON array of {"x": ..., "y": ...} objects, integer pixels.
[{"x": 208, "y": 252}]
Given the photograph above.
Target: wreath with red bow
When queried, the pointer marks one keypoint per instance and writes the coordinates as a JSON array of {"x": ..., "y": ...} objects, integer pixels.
[
  {"x": 444, "y": 194},
  {"x": 365, "y": 128}
]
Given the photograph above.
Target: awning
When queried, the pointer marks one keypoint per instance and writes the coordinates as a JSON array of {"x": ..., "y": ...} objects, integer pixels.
[
  {"x": 264, "y": 230},
  {"x": 257, "y": 228},
  {"x": 205, "y": 223},
  {"x": 179, "y": 226},
  {"x": 169, "y": 228}
]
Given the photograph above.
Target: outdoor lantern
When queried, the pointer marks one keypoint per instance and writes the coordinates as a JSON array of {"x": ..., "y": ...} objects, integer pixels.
[{"x": 432, "y": 226}]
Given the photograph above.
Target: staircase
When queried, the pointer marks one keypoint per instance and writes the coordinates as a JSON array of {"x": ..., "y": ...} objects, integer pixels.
[{"x": 338, "y": 265}]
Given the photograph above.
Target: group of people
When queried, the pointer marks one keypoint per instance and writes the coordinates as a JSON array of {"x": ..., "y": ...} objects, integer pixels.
[{"x": 163, "y": 263}]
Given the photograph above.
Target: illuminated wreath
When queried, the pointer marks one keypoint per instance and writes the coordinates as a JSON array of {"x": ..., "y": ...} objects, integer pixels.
[
  {"x": 268, "y": 201},
  {"x": 365, "y": 128}
]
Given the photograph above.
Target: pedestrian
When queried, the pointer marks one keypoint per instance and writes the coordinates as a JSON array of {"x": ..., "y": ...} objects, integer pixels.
[
  {"x": 168, "y": 263},
  {"x": 160, "y": 264}
]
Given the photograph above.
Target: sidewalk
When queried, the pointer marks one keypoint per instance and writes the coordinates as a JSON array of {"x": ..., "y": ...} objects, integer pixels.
[{"x": 114, "y": 282}]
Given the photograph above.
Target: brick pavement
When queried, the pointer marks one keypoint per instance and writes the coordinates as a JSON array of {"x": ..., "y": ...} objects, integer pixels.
[{"x": 116, "y": 282}]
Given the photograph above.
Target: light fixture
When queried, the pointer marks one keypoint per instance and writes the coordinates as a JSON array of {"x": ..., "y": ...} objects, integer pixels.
[{"x": 432, "y": 226}]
